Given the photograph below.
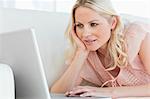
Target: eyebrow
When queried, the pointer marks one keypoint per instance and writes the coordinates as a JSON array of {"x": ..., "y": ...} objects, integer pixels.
[{"x": 88, "y": 22}]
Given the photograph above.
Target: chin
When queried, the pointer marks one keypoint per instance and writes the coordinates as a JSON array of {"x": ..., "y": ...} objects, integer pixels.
[{"x": 93, "y": 48}]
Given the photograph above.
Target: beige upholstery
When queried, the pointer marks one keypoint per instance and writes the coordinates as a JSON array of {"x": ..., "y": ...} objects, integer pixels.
[{"x": 49, "y": 28}]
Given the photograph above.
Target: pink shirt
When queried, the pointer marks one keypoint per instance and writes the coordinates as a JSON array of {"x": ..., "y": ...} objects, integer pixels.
[{"x": 134, "y": 74}]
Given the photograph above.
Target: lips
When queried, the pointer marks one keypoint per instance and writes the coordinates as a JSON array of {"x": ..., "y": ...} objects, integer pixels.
[{"x": 89, "y": 41}]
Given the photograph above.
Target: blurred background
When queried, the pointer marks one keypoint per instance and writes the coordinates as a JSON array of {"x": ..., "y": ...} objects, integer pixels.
[{"x": 134, "y": 7}]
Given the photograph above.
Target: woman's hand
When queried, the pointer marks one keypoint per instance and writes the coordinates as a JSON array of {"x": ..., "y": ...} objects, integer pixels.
[
  {"x": 80, "y": 44},
  {"x": 88, "y": 91}
]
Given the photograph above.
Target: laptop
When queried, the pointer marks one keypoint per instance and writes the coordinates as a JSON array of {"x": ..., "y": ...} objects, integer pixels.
[{"x": 19, "y": 49}]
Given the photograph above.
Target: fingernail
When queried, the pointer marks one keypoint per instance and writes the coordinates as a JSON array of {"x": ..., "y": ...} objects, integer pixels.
[
  {"x": 71, "y": 92},
  {"x": 66, "y": 93},
  {"x": 81, "y": 95}
]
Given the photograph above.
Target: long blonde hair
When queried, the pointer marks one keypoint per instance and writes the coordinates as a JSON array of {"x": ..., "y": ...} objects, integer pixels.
[{"x": 117, "y": 46}]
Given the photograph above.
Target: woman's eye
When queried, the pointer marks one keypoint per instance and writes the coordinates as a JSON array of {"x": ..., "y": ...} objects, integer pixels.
[
  {"x": 79, "y": 25},
  {"x": 93, "y": 24}
]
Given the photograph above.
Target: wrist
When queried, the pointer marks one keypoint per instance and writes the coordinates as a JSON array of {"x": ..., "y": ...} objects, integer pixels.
[{"x": 81, "y": 52}]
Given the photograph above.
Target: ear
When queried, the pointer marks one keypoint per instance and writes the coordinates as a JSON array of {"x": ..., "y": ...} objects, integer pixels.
[{"x": 114, "y": 22}]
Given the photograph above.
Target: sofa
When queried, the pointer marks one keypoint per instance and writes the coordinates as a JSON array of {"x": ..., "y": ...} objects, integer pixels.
[
  {"x": 7, "y": 86},
  {"x": 49, "y": 27}
]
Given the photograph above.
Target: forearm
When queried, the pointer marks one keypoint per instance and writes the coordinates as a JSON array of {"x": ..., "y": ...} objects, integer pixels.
[
  {"x": 69, "y": 78},
  {"x": 130, "y": 91}
]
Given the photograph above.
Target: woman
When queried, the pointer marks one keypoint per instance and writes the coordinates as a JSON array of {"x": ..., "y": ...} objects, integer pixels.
[{"x": 110, "y": 58}]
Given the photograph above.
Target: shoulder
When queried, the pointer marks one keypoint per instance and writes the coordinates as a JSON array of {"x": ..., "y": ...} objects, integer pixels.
[
  {"x": 144, "y": 52},
  {"x": 135, "y": 33}
]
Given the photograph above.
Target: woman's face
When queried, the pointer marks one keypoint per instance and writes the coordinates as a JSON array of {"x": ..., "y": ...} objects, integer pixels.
[{"x": 94, "y": 30}]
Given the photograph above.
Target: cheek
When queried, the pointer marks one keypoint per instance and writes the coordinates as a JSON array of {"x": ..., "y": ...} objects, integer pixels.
[
  {"x": 105, "y": 37},
  {"x": 104, "y": 32},
  {"x": 79, "y": 34}
]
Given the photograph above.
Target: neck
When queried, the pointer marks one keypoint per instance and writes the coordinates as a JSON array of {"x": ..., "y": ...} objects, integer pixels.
[{"x": 103, "y": 49}]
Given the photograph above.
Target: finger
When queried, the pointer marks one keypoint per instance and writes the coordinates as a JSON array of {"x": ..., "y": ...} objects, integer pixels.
[
  {"x": 70, "y": 95},
  {"x": 74, "y": 36},
  {"x": 67, "y": 93},
  {"x": 86, "y": 94},
  {"x": 77, "y": 39},
  {"x": 78, "y": 91}
]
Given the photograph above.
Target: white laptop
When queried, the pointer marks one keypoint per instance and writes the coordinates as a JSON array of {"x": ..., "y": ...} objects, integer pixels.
[{"x": 19, "y": 49}]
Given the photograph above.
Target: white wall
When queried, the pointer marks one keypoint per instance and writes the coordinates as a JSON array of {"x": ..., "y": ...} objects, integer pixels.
[
  {"x": 49, "y": 28},
  {"x": 134, "y": 7}
]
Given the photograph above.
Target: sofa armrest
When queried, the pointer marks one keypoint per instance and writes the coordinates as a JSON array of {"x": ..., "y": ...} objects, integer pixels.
[{"x": 7, "y": 89}]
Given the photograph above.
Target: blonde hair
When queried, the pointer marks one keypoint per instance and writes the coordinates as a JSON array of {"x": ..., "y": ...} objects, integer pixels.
[{"x": 116, "y": 48}]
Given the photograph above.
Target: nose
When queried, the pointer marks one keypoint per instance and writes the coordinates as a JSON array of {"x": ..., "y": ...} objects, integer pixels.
[{"x": 87, "y": 32}]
